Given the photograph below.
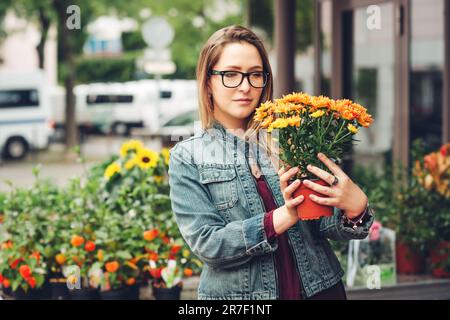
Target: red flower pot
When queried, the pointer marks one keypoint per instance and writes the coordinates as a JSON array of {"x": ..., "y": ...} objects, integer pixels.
[
  {"x": 308, "y": 209},
  {"x": 438, "y": 254},
  {"x": 409, "y": 260}
]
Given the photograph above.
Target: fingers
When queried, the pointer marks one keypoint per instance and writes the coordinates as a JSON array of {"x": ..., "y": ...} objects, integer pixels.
[
  {"x": 322, "y": 174},
  {"x": 287, "y": 192},
  {"x": 320, "y": 189},
  {"x": 330, "y": 164},
  {"x": 325, "y": 201},
  {"x": 292, "y": 203},
  {"x": 284, "y": 177}
]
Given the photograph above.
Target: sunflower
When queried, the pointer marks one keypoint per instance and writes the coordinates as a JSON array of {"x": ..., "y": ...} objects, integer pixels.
[
  {"x": 111, "y": 170},
  {"x": 130, "y": 164},
  {"x": 147, "y": 158},
  {"x": 132, "y": 145}
]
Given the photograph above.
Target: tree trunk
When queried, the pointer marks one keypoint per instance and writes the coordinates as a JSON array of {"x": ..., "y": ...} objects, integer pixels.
[
  {"x": 45, "y": 25},
  {"x": 67, "y": 59}
]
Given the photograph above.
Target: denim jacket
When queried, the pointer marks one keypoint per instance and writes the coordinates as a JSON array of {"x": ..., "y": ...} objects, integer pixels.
[{"x": 221, "y": 217}]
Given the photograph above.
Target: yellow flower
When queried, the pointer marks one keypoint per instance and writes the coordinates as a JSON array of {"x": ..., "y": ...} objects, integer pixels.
[
  {"x": 147, "y": 158},
  {"x": 111, "y": 170},
  {"x": 294, "y": 121},
  {"x": 317, "y": 114},
  {"x": 159, "y": 179},
  {"x": 267, "y": 122},
  {"x": 352, "y": 128},
  {"x": 132, "y": 145},
  {"x": 278, "y": 124},
  {"x": 130, "y": 164},
  {"x": 166, "y": 154}
]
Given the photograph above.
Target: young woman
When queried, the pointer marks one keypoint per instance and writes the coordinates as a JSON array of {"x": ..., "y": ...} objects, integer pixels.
[{"x": 235, "y": 210}]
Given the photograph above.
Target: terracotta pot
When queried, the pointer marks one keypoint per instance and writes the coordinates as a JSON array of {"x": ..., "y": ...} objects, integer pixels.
[
  {"x": 440, "y": 254},
  {"x": 409, "y": 259},
  {"x": 308, "y": 209}
]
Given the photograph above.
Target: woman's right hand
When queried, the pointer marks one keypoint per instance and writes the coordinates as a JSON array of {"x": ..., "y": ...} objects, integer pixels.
[{"x": 286, "y": 216}]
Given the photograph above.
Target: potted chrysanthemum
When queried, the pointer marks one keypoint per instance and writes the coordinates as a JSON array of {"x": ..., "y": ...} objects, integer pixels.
[{"x": 305, "y": 126}]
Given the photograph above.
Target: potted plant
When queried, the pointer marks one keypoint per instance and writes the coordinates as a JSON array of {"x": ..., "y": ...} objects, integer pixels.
[
  {"x": 308, "y": 125},
  {"x": 167, "y": 284},
  {"x": 433, "y": 175}
]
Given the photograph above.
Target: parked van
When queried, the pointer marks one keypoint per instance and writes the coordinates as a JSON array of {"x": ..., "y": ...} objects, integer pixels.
[
  {"x": 119, "y": 107},
  {"x": 25, "y": 121}
]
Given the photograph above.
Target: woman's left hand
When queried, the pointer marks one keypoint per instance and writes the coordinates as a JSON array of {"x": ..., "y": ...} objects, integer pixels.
[{"x": 344, "y": 195}]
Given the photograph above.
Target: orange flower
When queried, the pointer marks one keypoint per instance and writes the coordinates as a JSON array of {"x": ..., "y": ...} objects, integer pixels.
[
  {"x": 25, "y": 271},
  {"x": 7, "y": 245},
  {"x": 166, "y": 239},
  {"x": 6, "y": 283},
  {"x": 131, "y": 281},
  {"x": 188, "y": 272},
  {"x": 149, "y": 235},
  {"x": 155, "y": 272},
  {"x": 79, "y": 261},
  {"x": 152, "y": 255},
  {"x": 15, "y": 263},
  {"x": 112, "y": 266},
  {"x": 89, "y": 246},
  {"x": 60, "y": 259},
  {"x": 175, "y": 248},
  {"x": 32, "y": 282},
  {"x": 77, "y": 240},
  {"x": 36, "y": 255}
]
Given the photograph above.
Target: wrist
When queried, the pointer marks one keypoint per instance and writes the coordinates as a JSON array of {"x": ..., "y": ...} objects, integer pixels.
[
  {"x": 352, "y": 214},
  {"x": 283, "y": 220}
]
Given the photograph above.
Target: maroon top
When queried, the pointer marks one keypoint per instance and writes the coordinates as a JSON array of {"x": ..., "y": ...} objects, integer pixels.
[{"x": 289, "y": 280}]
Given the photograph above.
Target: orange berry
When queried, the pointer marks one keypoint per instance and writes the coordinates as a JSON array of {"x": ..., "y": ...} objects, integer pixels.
[
  {"x": 6, "y": 283},
  {"x": 89, "y": 246},
  {"x": 25, "y": 271},
  {"x": 188, "y": 272},
  {"x": 32, "y": 282},
  {"x": 60, "y": 259},
  {"x": 131, "y": 281},
  {"x": 149, "y": 235},
  {"x": 112, "y": 266},
  {"x": 77, "y": 240}
]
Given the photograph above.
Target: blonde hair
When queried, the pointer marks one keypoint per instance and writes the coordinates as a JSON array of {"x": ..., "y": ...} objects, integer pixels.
[{"x": 209, "y": 56}]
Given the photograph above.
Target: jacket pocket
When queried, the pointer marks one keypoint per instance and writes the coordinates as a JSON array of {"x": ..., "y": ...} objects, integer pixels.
[{"x": 222, "y": 184}]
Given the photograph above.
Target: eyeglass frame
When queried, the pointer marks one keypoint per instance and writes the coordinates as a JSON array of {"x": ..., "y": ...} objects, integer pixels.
[{"x": 243, "y": 75}]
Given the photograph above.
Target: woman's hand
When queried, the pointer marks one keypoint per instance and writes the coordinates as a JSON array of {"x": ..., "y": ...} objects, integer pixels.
[
  {"x": 345, "y": 195},
  {"x": 286, "y": 216}
]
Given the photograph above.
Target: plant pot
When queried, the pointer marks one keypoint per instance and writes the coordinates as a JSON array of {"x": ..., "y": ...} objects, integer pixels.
[
  {"x": 84, "y": 294},
  {"x": 59, "y": 291},
  {"x": 308, "y": 209},
  {"x": 440, "y": 255},
  {"x": 172, "y": 293},
  {"x": 409, "y": 259},
  {"x": 123, "y": 293},
  {"x": 42, "y": 293}
]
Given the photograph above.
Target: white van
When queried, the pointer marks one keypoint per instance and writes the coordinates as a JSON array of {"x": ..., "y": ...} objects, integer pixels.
[{"x": 25, "y": 121}]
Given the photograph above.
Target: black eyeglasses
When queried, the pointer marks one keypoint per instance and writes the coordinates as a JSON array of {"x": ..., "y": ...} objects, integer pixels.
[{"x": 233, "y": 79}]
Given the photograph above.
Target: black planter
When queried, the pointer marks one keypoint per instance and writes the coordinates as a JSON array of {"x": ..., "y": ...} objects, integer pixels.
[
  {"x": 124, "y": 293},
  {"x": 60, "y": 291},
  {"x": 84, "y": 294},
  {"x": 42, "y": 293},
  {"x": 173, "y": 293}
]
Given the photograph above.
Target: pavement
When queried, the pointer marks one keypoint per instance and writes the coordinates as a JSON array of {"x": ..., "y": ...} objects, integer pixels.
[{"x": 60, "y": 166}]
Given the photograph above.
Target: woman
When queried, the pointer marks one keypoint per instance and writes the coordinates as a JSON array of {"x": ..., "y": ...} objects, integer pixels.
[{"x": 233, "y": 209}]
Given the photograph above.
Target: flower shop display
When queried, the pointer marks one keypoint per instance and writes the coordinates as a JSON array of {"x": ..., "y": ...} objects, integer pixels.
[
  {"x": 306, "y": 125},
  {"x": 433, "y": 175},
  {"x": 371, "y": 262},
  {"x": 169, "y": 284},
  {"x": 95, "y": 238}
]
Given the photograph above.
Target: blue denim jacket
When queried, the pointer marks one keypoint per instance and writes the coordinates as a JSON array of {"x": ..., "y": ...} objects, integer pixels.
[{"x": 221, "y": 217}]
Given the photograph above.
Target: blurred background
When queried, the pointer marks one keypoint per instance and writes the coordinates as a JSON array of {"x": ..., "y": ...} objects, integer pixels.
[{"x": 78, "y": 78}]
